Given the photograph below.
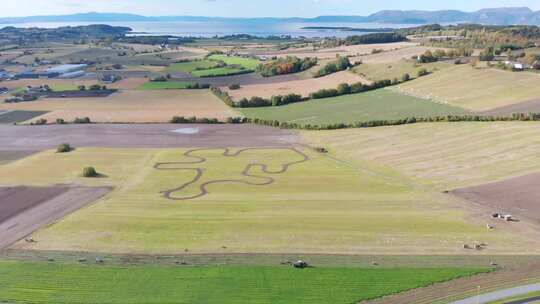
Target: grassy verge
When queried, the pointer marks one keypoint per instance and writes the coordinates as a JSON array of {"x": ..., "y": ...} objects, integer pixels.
[{"x": 30, "y": 282}]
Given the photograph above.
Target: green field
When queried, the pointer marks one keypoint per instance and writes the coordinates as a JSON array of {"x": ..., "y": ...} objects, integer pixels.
[
  {"x": 190, "y": 66},
  {"x": 321, "y": 205},
  {"x": 247, "y": 63},
  {"x": 165, "y": 85},
  {"x": 381, "y": 71},
  {"x": 375, "y": 105},
  {"x": 30, "y": 282},
  {"x": 476, "y": 89}
]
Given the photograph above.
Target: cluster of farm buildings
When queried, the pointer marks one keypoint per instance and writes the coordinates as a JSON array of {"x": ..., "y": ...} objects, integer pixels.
[{"x": 65, "y": 71}]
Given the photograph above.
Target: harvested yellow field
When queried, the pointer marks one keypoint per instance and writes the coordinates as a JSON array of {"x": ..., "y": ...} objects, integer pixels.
[
  {"x": 303, "y": 87},
  {"x": 346, "y": 50},
  {"x": 477, "y": 89},
  {"x": 395, "y": 54},
  {"x": 131, "y": 106},
  {"x": 124, "y": 84},
  {"x": 443, "y": 155}
]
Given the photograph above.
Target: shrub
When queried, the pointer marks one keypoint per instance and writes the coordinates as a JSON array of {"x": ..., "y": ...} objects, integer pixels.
[
  {"x": 197, "y": 86},
  {"x": 343, "y": 88},
  {"x": 97, "y": 87},
  {"x": 159, "y": 79},
  {"x": 406, "y": 77},
  {"x": 235, "y": 86},
  {"x": 60, "y": 121},
  {"x": 340, "y": 64},
  {"x": 64, "y": 148},
  {"x": 90, "y": 172},
  {"x": 82, "y": 120},
  {"x": 40, "y": 121},
  {"x": 422, "y": 72},
  {"x": 190, "y": 120},
  {"x": 427, "y": 57},
  {"x": 288, "y": 65},
  {"x": 487, "y": 55},
  {"x": 324, "y": 93}
]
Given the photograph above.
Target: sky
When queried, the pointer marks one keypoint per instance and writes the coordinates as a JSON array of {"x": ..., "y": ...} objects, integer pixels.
[{"x": 244, "y": 8}]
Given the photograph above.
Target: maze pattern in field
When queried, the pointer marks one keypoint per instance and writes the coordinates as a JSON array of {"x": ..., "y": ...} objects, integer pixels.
[{"x": 263, "y": 180}]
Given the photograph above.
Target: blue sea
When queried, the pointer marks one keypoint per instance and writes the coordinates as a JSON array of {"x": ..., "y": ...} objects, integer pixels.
[{"x": 222, "y": 28}]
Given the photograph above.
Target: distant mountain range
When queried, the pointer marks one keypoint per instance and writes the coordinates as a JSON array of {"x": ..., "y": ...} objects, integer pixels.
[{"x": 491, "y": 16}]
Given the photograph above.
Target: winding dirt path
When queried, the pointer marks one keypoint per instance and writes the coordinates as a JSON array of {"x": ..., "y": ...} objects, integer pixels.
[{"x": 265, "y": 180}]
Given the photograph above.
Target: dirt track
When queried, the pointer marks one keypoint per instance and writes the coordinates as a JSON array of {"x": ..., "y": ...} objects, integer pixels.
[
  {"x": 34, "y": 138},
  {"x": 518, "y": 196},
  {"x": 266, "y": 180},
  {"x": 24, "y": 210}
]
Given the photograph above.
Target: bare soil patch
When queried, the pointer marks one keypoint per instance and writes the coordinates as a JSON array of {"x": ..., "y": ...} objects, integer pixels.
[
  {"x": 10, "y": 117},
  {"x": 531, "y": 106},
  {"x": 9, "y": 156},
  {"x": 26, "y": 209},
  {"x": 518, "y": 196},
  {"x": 303, "y": 87},
  {"x": 32, "y": 138},
  {"x": 14, "y": 200}
]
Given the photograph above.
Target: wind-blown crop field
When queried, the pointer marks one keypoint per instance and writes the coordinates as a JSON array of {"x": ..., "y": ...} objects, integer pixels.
[
  {"x": 254, "y": 285},
  {"x": 445, "y": 155},
  {"x": 375, "y": 105},
  {"x": 477, "y": 89},
  {"x": 381, "y": 71}
]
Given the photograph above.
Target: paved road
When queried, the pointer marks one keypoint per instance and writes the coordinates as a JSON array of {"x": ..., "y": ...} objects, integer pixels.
[
  {"x": 526, "y": 301},
  {"x": 501, "y": 295}
]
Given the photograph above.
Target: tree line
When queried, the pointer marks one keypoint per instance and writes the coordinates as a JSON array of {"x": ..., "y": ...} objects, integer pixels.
[
  {"x": 362, "y": 124},
  {"x": 287, "y": 65}
]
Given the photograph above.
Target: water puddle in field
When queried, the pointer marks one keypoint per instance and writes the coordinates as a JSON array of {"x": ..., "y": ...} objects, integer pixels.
[{"x": 187, "y": 131}]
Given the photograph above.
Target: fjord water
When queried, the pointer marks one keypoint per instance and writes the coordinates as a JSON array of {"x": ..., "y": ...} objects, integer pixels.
[{"x": 226, "y": 27}]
